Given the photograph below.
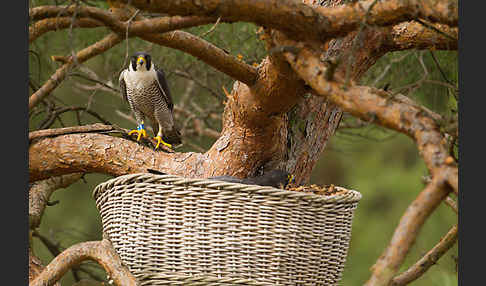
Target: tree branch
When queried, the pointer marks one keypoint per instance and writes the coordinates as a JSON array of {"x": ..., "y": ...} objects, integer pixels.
[
  {"x": 99, "y": 251},
  {"x": 40, "y": 192},
  {"x": 55, "y": 249},
  {"x": 300, "y": 21},
  {"x": 429, "y": 259},
  {"x": 258, "y": 139},
  {"x": 413, "y": 35},
  {"x": 97, "y": 48},
  {"x": 407, "y": 230},
  {"x": 371, "y": 104},
  {"x": 111, "y": 20},
  {"x": 93, "y": 152},
  {"x": 378, "y": 106},
  {"x": 54, "y": 24},
  {"x": 452, "y": 204},
  {"x": 35, "y": 264},
  {"x": 147, "y": 28},
  {"x": 207, "y": 52},
  {"x": 97, "y": 127}
]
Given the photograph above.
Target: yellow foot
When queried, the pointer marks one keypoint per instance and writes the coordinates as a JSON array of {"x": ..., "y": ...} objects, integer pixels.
[
  {"x": 159, "y": 140},
  {"x": 140, "y": 132}
]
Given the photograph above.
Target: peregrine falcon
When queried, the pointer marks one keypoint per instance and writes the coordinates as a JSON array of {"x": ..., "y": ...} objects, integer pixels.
[{"x": 147, "y": 92}]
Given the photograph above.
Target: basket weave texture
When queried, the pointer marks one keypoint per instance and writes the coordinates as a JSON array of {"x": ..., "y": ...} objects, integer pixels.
[{"x": 170, "y": 230}]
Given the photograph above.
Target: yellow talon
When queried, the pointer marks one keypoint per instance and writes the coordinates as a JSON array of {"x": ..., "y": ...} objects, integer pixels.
[
  {"x": 140, "y": 133},
  {"x": 159, "y": 140}
]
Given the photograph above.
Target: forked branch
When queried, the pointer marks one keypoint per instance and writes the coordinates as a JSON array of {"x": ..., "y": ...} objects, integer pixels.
[
  {"x": 429, "y": 259},
  {"x": 99, "y": 251}
]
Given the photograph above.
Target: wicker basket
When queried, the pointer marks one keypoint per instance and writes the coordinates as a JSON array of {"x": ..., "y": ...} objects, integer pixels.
[{"x": 170, "y": 230}]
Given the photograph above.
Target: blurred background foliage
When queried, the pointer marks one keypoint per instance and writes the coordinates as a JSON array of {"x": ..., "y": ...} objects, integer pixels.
[{"x": 383, "y": 165}]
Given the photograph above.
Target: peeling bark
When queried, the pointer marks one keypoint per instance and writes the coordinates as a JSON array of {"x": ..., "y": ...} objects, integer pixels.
[
  {"x": 413, "y": 35},
  {"x": 310, "y": 126},
  {"x": 254, "y": 122},
  {"x": 92, "y": 152}
]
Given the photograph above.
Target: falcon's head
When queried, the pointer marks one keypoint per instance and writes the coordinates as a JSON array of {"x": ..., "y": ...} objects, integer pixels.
[{"x": 140, "y": 61}]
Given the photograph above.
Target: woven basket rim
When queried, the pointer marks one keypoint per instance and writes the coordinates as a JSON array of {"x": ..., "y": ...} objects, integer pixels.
[{"x": 349, "y": 196}]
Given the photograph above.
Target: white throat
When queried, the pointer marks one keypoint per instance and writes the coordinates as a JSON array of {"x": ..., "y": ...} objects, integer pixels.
[{"x": 139, "y": 78}]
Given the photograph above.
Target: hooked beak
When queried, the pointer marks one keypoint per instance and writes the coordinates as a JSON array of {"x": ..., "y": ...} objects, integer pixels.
[{"x": 140, "y": 60}]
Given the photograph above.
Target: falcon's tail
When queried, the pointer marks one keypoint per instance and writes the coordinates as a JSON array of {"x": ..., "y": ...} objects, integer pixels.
[{"x": 172, "y": 137}]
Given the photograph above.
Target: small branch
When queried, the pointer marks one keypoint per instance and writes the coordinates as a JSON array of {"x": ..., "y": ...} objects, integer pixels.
[
  {"x": 41, "y": 191},
  {"x": 99, "y": 251},
  {"x": 429, "y": 259},
  {"x": 198, "y": 124},
  {"x": 43, "y": 26},
  {"x": 452, "y": 178},
  {"x": 99, "y": 47},
  {"x": 55, "y": 250},
  {"x": 187, "y": 75},
  {"x": 433, "y": 28},
  {"x": 441, "y": 70},
  {"x": 98, "y": 82},
  {"x": 211, "y": 29},
  {"x": 451, "y": 203},
  {"x": 407, "y": 230},
  {"x": 413, "y": 35},
  {"x": 55, "y": 114}
]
